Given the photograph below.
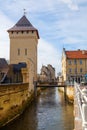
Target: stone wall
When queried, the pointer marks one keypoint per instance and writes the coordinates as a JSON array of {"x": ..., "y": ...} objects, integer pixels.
[
  {"x": 69, "y": 93},
  {"x": 13, "y": 100}
]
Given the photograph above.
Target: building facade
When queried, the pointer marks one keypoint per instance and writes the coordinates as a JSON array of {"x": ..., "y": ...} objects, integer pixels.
[
  {"x": 52, "y": 72},
  {"x": 23, "y": 47},
  {"x": 74, "y": 65},
  {"x": 47, "y": 74}
]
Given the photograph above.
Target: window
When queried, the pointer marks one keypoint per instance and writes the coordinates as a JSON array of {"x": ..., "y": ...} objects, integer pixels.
[
  {"x": 18, "y": 51},
  {"x": 75, "y": 70},
  {"x": 81, "y": 70},
  {"x": 27, "y": 31},
  {"x": 70, "y": 70},
  {"x": 26, "y": 51},
  {"x": 80, "y": 62},
  {"x": 69, "y": 62},
  {"x": 75, "y": 62}
]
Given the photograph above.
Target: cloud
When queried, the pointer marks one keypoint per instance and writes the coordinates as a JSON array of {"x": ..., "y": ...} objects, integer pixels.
[
  {"x": 57, "y": 25},
  {"x": 71, "y": 5},
  {"x": 30, "y": 6},
  {"x": 71, "y": 40},
  {"x": 48, "y": 54},
  {"x": 5, "y": 24}
]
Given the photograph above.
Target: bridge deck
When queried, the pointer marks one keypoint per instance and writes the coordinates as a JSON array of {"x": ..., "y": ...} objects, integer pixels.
[
  {"x": 46, "y": 85},
  {"x": 50, "y": 86}
]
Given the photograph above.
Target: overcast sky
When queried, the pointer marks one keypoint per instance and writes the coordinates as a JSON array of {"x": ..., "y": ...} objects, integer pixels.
[{"x": 61, "y": 23}]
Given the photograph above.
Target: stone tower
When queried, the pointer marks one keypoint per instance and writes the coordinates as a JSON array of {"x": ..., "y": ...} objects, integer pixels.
[{"x": 23, "y": 45}]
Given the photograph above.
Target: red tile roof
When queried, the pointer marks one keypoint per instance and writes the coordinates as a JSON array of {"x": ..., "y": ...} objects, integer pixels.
[{"x": 79, "y": 54}]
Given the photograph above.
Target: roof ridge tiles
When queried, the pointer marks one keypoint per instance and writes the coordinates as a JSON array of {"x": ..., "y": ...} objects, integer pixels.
[{"x": 76, "y": 54}]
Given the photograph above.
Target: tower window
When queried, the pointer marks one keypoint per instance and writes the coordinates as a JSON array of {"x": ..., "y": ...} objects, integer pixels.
[
  {"x": 26, "y": 51},
  {"x": 22, "y": 32},
  {"x": 27, "y": 32},
  {"x": 32, "y": 31},
  {"x": 18, "y": 51}
]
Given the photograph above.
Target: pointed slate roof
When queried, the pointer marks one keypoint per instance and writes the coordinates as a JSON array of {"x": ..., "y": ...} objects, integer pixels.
[{"x": 23, "y": 25}]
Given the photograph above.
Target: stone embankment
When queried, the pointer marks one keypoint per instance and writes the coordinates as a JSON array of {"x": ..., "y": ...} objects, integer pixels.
[
  {"x": 69, "y": 93},
  {"x": 13, "y": 100}
]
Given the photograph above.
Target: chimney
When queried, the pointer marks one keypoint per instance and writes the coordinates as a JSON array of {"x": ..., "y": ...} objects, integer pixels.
[{"x": 83, "y": 51}]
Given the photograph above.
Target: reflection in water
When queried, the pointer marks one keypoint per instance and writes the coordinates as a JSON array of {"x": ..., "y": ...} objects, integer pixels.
[{"x": 49, "y": 112}]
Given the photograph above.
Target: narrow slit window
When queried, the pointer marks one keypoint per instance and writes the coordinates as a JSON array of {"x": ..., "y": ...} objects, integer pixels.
[
  {"x": 32, "y": 31},
  {"x": 25, "y": 51},
  {"x": 18, "y": 51}
]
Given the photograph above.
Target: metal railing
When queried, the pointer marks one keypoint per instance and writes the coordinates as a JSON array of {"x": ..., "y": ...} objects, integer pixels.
[{"x": 80, "y": 100}]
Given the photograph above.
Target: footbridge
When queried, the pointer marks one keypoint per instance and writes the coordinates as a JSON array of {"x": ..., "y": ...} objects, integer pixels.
[
  {"x": 80, "y": 107},
  {"x": 50, "y": 85},
  {"x": 53, "y": 84}
]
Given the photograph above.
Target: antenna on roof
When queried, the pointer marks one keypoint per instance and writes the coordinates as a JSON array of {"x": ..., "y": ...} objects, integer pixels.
[{"x": 24, "y": 11}]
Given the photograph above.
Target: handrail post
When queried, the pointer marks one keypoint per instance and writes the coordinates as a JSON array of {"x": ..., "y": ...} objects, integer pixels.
[{"x": 84, "y": 110}]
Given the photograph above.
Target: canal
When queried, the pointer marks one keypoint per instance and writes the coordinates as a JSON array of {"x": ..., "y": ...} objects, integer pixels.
[{"x": 48, "y": 112}]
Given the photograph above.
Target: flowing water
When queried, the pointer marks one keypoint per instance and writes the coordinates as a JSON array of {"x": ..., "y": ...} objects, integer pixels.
[{"x": 48, "y": 112}]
